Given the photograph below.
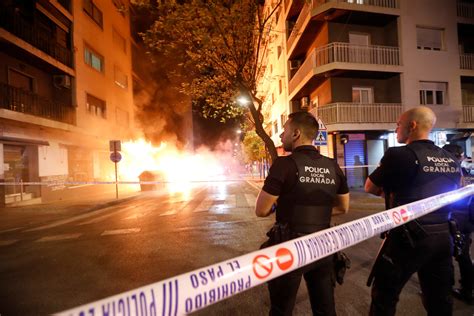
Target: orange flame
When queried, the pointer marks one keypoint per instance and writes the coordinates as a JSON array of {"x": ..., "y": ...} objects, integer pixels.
[{"x": 178, "y": 168}]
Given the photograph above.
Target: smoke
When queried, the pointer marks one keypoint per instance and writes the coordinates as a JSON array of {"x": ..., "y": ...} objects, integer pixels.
[{"x": 163, "y": 112}]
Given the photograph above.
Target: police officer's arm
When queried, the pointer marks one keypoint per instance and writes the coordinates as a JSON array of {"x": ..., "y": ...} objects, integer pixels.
[
  {"x": 265, "y": 201},
  {"x": 341, "y": 204},
  {"x": 388, "y": 168},
  {"x": 372, "y": 188}
]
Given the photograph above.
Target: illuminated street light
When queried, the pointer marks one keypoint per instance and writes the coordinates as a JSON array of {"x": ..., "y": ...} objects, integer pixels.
[
  {"x": 239, "y": 131},
  {"x": 243, "y": 100}
]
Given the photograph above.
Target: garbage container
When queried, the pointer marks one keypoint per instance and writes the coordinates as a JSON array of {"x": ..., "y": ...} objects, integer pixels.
[{"x": 149, "y": 176}]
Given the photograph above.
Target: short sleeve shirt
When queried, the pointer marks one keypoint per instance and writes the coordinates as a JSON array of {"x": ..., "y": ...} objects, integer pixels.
[
  {"x": 398, "y": 168},
  {"x": 282, "y": 175}
]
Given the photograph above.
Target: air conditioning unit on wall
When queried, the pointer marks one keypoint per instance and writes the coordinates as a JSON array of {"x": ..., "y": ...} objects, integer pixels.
[
  {"x": 63, "y": 81},
  {"x": 304, "y": 102}
]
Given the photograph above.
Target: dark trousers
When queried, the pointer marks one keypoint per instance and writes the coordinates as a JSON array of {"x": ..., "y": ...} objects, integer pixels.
[
  {"x": 431, "y": 258},
  {"x": 319, "y": 278},
  {"x": 466, "y": 268}
]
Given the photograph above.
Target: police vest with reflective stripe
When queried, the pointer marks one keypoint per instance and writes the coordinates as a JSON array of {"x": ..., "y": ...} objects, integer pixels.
[
  {"x": 307, "y": 208},
  {"x": 438, "y": 172}
]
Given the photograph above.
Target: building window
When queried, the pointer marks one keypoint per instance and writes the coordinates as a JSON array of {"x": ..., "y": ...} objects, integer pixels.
[
  {"x": 467, "y": 96},
  {"x": 95, "y": 106},
  {"x": 279, "y": 51},
  {"x": 93, "y": 11},
  {"x": 93, "y": 59},
  {"x": 120, "y": 78},
  {"x": 283, "y": 118},
  {"x": 273, "y": 98},
  {"x": 280, "y": 86},
  {"x": 359, "y": 39},
  {"x": 275, "y": 127},
  {"x": 429, "y": 38},
  {"x": 433, "y": 93},
  {"x": 119, "y": 41},
  {"x": 362, "y": 95},
  {"x": 21, "y": 80},
  {"x": 121, "y": 8},
  {"x": 62, "y": 37}
]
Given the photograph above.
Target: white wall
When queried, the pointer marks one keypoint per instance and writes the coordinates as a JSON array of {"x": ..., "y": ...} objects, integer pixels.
[
  {"x": 428, "y": 65},
  {"x": 375, "y": 151},
  {"x": 52, "y": 160}
]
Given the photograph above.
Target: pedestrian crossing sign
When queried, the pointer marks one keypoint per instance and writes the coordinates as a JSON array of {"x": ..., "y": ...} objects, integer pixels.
[{"x": 321, "y": 139}]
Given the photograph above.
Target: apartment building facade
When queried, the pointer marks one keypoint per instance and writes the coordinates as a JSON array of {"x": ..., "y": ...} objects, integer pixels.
[
  {"x": 65, "y": 91},
  {"x": 358, "y": 64}
]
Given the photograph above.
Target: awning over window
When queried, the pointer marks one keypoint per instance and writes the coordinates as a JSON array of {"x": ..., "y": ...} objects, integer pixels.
[{"x": 22, "y": 141}]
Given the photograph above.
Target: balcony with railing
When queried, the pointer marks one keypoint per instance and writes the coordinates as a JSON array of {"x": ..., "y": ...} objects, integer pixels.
[
  {"x": 465, "y": 9},
  {"x": 467, "y": 61},
  {"x": 27, "y": 31},
  {"x": 468, "y": 113},
  {"x": 345, "y": 53},
  {"x": 19, "y": 100},
  {"x": 350, "y": 113},
  {"x": 309, "y": 6},
  {"x": 299, "y": 25}
]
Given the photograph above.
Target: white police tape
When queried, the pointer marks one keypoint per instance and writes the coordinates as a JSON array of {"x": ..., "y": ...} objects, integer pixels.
[
  {"x": 195, "y": 290},
  {"x": 64, "y": 183}
]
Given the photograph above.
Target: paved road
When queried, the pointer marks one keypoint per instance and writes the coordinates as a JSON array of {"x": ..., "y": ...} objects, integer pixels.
[{"x": 57, "y": 257}]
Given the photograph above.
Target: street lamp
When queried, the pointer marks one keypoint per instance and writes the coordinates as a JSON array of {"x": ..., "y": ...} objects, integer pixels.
[
  {"x": 238, "y": 131},
  {"x": 243, "y": 100}
]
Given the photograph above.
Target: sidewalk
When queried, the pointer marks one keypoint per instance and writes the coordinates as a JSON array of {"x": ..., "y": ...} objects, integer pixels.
[{"x": 34, "y": 213}]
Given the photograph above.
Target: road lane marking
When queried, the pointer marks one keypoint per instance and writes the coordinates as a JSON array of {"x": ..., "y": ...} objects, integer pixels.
[
  {"x": 10, "y": 230},
  {"x": 7, "y": 242},
  {"x": 72, "y": 219},
  {"x": 256, "y": 186},
  {"x": 121, "y": 231},
  {"x": 251, "y": 199},
  {"x": 58, "y": 237},
  {"x": 105, "y": 216},
  {"x": 184, "y": 205},
  {"x": 230, "y": 201},
  {"x": 204, "y": 205},
  {"x": 172, "y": 212}
]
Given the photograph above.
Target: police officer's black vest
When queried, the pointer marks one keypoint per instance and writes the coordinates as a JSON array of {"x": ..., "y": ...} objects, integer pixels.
[
  {"x": 438, "y": 172},
  {"x": 307, "y": 208}
]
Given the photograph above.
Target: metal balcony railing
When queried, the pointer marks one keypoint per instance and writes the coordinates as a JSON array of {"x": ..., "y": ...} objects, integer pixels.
[
  {"x": 467, "y": 61},
  {"x": 465, "y": 10},
  {"x": 344, "y": 113},
  {"x": 15, "y": 24},
  {"x": 310, "y": 5},
  {"x": 468, "y": 113},
  {"x": 346, "y": 53},
  {"x": 19, "y": 100}
]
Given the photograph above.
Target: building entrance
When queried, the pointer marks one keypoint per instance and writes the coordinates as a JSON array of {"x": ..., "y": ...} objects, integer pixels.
[{"x": 20, "y": 165}]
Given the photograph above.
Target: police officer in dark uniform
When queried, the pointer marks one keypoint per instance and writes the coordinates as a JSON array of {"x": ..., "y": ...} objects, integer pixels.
[
  {"x": 407, "y": 174},
  {"x": 307, "y": 188}
]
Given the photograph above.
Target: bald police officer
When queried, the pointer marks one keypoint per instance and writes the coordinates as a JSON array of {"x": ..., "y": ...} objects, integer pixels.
[
  {"x": 307, "y": 187},
  {"x": 407, "y": 174}
]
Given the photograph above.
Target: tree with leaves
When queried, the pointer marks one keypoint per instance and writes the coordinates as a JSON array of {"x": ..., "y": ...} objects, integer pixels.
[
  {"x": 223, "y": 44},
  {"x": 253, "y": 148}
]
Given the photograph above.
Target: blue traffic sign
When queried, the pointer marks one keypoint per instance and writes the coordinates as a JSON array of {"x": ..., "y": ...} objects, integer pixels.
[
  {"x": 115, "y": 156},
  {"x": 321, "y": 139}
]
